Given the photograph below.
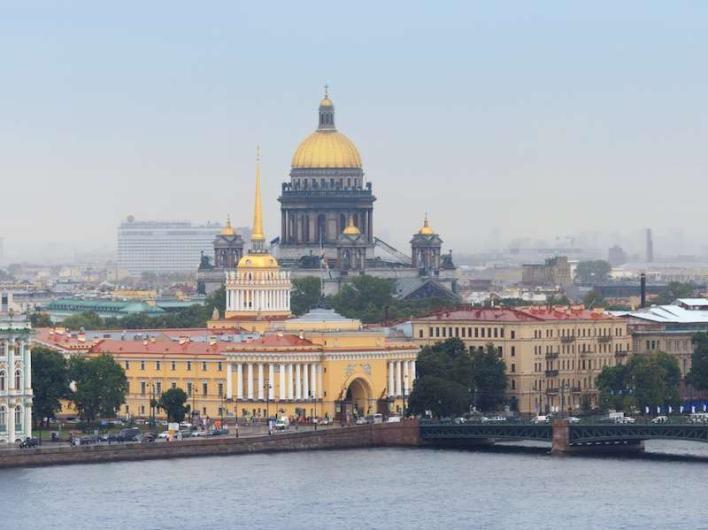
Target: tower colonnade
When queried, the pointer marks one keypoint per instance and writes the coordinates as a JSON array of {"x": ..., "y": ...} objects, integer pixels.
[{"x": 401, "y": 376}]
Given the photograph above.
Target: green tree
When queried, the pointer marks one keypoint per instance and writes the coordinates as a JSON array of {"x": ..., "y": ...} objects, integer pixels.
[
  {"x": 698, "y": 377},
  {"x": 365, "y": 297},
  {"x": 173, "y": 402},
  {"x": 86, "y": 320},
  {"x": 101, "y": 386},
  {"x": 613, "y": 388},
  {"x": 50, "y": 383},
  {"x": 489, "y": 378},
  {"x": 674, "y": 291},
  {"x": 592, "y": 272},
  {"x": 440, "y": 396},
  {"x": 40, "y": 320},
  {"x": 305, "y": 294},
  {"x": 448, "y": 360},
  {"x": 593, "y": 300}
]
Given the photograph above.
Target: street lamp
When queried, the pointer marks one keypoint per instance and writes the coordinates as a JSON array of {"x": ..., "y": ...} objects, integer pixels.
[
  {"x": 405, "y": 387},
  {"x": 266, "y": 387},
  {"x": 313, "y": 397}
]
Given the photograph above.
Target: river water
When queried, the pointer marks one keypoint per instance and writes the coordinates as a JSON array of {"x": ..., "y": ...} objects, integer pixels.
[{"x": 378, "y": 488}]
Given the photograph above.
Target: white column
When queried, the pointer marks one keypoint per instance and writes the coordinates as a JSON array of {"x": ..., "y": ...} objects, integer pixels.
[
  {"x": 398, "y": 377},
  {"x": 298, "y": 383},
  {"x": 27, "y": 361},
  {"x": 320, "y": 386},
  {"x": 261, "y": 381},
  {"x": 271, "y": 381},
  {"x": 391, "y": 386},
  {"x": 406, "y": 377},
  {"x": 250, "y": 380},
  {"x": 412, "y": 373},
  {"x": 28, "y": 421},
  {"x": 291, "y": 381},
  {"x": 283, "y": 388},
  {"x": 313, "y": 380},
  {"x": 229, "y": 386},
  {"x": 239, "y": 381},
  {"x": 10, "y": 423},
  {"x": 306, "y": 381}
]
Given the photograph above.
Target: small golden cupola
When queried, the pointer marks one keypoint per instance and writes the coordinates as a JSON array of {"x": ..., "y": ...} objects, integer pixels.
[
  {"x": 228, "y": 230},
  {"x": 425, "y": 230},
  {"x": 351, "y": 229}
]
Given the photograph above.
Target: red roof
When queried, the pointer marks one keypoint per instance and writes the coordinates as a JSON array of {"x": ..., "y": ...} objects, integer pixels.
[
  {"x": 156, "y": 348},
  {"x": 526, "y": 314}
]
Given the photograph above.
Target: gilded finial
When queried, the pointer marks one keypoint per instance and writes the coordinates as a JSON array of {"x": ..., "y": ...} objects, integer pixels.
[
  {"x": 426, "y": 230},
  {"x": 326, "y": 87},
  {"x": 228, "y": 229}
]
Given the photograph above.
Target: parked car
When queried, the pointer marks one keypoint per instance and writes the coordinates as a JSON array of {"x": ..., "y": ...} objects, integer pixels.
[
  {"x": 164, "y": 435},
  {"x": 573, "y": 419},
  {"x": 393, "y": 419},
  {"x": 280, "y": 425},
  {"x": 460, "y": 420},
  {"x": 218, "y": 432},
  {"x": 660, "y": 419},
  {"x": 148, "y": 437},
  {"x": 361, "y": 420},
  {"x": 199, "y": 433},
  {"x": 29, "y": 442},
  {"x": 541, "y": 419},
  {"x": 325, "y": 421},
  {"x": 131, "y": 434}
]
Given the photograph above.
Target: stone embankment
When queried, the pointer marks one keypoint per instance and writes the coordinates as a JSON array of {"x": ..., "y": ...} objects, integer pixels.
[{"x": 402, "y": 434}]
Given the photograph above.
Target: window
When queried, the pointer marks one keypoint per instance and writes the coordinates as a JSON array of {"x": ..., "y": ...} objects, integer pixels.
[
  {"x": 513, "y": 334},
  {"x": 142, "y": 409},
  {"x": 3, "y": 419},
  {"x": 142, "y": 365},
  {"x": 221, "y": 389},
  {"x": 496, "y": 331},
  {"x": 142, "y": 388},
  {"x": 204, "y": 366},
  {"x": 18, "y": 380},
  {"x": 513, "y": 368},
  {"x": 158, "y": 388},
  {"x": 2, "y": 380},
  {"x": 430, "y": 331},
  {"x": 513, "y": 351},
  {"x": 476, "y": 333},
  {"x": 420, "y": 335},
  {"x": 173, "y": 385},
  {"x": 513, "y": 384},
  {"x": 189, "y": 389},
  {"x": 18, "y": 417},
  {"x": 482, "y": 332},
  {"x": 173, "y": 366},
  {"x": 127, "y": 365},
  {"x": 189, "y": 366},
  {"x": 205, "y": 389},
  {"x": 157, "y": 365},
  {"x": 219, "y": 366}
]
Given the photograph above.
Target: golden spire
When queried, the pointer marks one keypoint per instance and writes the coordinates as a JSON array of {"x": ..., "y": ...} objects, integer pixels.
[
  {"x": 228, "y": 230},
  {"x": 257, "y": 234},
  {"x": 426, "y": 230}
]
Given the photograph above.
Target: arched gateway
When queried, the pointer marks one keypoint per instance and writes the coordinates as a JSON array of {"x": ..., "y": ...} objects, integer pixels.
[{"x": 357, "y": 399}]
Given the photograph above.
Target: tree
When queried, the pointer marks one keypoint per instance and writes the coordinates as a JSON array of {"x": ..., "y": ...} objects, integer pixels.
[
  {"x": 305, "y": 294},
  {"x": 173, "y": 402},
  {"x": 698, "y": 377},
  {"x": 593, "y": 300},
  {"x": 365, "y": 297},
  {"x": 86, "y": 320},
  {"x": 101, "y": 386},
  {"x": 645, "y": 381},
  {"x": 592, "y": 272},
  {"x": 40, "y": 320},
  {"x": 673, "y": 291},
  {"x": 489, "y": 377},
  {"x": 50, "y": 382},
  {"x": 440, "y": 396}
]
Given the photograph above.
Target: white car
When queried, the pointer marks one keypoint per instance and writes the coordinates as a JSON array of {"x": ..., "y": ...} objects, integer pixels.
[
  {"x": 164, "y": 435},
  {"x": 573, "y": 419},
  {"x": 280, "y": 425},
  {"x": 199, "y": 433},
  {"x": 660, "y": 419},
  {"x": 541, "y": 419},
  {"x": 393, "y": 419}
]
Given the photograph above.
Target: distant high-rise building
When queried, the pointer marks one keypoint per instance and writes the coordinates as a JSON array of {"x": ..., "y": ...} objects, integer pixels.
[
  {"x": 650, "y": 247},
  {"x": 553, "y": 272},
  {"x": 163, "y": 246},
  {"x": 616, "y": 256}
]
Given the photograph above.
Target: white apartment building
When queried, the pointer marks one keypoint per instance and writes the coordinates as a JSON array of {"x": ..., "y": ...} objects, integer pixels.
[{"x": 163, "y": 246}]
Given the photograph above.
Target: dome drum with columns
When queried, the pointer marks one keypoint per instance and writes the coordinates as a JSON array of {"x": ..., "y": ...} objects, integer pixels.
[{"x": 326, "y": 191}]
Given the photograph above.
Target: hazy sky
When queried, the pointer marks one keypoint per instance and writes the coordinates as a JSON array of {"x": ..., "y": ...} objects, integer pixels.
[{"x": 501, "y": 119}]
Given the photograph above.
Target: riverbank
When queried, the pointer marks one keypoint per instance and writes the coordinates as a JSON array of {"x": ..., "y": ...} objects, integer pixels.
[{"x": 404, "y": 434}]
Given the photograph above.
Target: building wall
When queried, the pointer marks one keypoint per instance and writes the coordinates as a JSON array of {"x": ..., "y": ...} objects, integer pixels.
[
  {"x": 15, "y": 380},
  {"x": 550, "y": 364},
  {"x": 163, "y": 247}
]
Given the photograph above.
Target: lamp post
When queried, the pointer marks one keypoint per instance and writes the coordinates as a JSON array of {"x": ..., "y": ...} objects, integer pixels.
[
  {"x": 403, "y": 391},
  {"x": 266, "y": 387},
  {"x": 313, "y": 397}
]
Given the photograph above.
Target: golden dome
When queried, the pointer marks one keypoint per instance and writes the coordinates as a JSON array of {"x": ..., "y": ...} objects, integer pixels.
[
  {"x": 425, "y": 230},
  {"x": 326, "y": 102},
  {"x": 228, "y": 230},
  {"x": 257, "y": 261},
  {"x": 326, "y": 149},
  {"x": 351, "y": 229}
]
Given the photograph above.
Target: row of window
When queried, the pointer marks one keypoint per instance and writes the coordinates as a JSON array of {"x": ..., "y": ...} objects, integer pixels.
[
  {"x": 156, "y": 388},
  {"x": 466, "y": 332},
  {"x": 173, "y": 365},
  {"x": 3, "y": 418},
  {"x": 569, "y": 364},
  {"x": 601, "y": 347},
  {"x": 586, "y": 383}
]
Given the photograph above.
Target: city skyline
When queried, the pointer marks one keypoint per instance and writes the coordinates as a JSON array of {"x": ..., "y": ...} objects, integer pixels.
[{"x": 158, "y": 116}]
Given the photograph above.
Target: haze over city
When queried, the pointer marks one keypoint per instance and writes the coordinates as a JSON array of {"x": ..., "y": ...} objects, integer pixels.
[{"x": 502, "y": 121}]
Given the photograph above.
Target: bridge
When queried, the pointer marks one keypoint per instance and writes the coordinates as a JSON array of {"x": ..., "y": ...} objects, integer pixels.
[{"x": 564, "y": 437}]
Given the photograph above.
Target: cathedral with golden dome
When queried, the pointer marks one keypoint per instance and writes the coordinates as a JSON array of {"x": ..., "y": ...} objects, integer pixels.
[
  {"x": 327, "y": 230},
  {"x": 325, "y": 192}
]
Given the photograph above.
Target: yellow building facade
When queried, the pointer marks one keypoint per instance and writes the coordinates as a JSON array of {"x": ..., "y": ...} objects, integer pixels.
[{"x": 552, "y": 356}]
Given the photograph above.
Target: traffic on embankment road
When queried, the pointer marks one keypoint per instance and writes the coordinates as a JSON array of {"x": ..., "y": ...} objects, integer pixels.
[{"x": 400, "y": 434}]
